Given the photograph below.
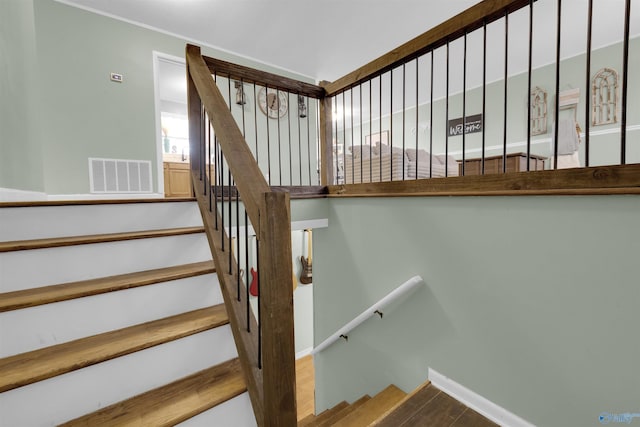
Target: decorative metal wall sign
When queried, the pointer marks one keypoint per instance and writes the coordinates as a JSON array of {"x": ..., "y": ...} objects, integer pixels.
[
  {"x": 538, "y": 111},
  {"x": 604, "y": 92},
  {"x": 472, "y": 124}
]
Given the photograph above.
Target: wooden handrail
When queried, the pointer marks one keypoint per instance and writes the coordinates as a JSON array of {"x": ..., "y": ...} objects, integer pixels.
[
  {"x": 597, "y": 180},
  {"x": 266, "y": 347},
  {"x": 251, "y": 75},
  {"x": 469, "y": 20},
  {"x": 249, "y": 179}
]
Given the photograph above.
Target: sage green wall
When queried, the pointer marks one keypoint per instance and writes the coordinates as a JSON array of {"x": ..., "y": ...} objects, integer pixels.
[
  {"x": 20, "y": 159},
  {"x": 530, "y": 302},
  {"x": 80, "y": 112}
]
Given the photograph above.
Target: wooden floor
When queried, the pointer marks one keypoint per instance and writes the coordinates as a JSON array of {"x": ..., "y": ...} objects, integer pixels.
[
  {"x": 305, "y": 386},
  {"x": 428, "y": 406},
  {"x": 425, "y": 406}
]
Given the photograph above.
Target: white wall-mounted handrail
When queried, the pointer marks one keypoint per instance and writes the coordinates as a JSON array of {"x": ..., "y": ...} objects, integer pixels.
[{"x": 402, "y": 290}]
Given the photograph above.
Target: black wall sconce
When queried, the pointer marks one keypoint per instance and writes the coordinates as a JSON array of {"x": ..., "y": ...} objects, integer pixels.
[
  {"x": 302, "y": 107},
  {"x": 240, "y": 99}
]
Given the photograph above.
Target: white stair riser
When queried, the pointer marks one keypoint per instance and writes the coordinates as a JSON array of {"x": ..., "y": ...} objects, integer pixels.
[
  {"x": 41, "y": 222},
  {"x": 68, "y": 396},
  {"x": 236, "y": 412},
  {"x": 42, "y": 326},
  {"x": 40, "y": 267}
]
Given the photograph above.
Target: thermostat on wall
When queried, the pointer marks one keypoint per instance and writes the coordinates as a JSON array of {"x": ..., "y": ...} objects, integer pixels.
[{"x": 115, "y": 77}]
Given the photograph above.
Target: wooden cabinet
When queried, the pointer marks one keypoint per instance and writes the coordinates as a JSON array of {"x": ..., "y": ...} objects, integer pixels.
[
  {"x": 516, "y": 162},
  {"x": 177, "y": 180}
]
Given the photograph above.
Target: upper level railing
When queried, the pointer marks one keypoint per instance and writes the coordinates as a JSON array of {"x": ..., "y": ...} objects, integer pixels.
[
  {"x": 243, "y": 216},
  {"x": 482, "y": 93},
  {"x": 430, "y": 108}
]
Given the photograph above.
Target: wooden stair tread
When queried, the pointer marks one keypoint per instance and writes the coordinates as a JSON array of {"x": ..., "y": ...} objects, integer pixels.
[
  {"x": 471, "y": 418},
  {"x": 343, "y": 413},
  {"x": 442, "y": 410},
  {"x": 37, "y": 365},
  {"x": 371, "y": 410},
  {"x": 174, "y": 402},
  {"x": 408, "y": 406},
  {"x": 21, "y": 245},
  {"x": 66, "y": 291},
  {"x": 312, "y": 420},
  {"x": 427, "y": 405}
]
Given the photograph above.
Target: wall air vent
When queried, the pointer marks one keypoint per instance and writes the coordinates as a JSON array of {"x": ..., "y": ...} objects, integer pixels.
[{"x": 119, "y": 176}]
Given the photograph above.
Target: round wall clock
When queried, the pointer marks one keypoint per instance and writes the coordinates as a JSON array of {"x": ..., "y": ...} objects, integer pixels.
[{"x": 273, "y": 103}]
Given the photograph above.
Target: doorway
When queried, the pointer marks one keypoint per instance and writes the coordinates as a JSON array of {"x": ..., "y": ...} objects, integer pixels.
[{"x": 172, "y": 125}]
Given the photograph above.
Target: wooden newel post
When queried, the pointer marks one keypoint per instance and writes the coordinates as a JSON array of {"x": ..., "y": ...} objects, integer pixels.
[
  {"x": 195, "y": 123},
  {"x": 326, "y": 142},
  {"x": 276, "y": 307}
]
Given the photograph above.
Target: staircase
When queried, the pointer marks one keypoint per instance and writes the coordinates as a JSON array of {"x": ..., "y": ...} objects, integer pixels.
[
  {"x": 425, "y": 406},
  {"x": 111, "y": 314}
]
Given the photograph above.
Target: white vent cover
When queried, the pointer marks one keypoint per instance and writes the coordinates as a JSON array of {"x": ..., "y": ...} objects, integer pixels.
[{"x": 119, "y": 176}]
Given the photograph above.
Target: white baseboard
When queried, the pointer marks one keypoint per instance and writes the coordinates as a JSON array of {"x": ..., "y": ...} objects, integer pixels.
[
  {"x": 103, "y": 196},
  {"x": 476, "y": 402},
  {"x": 12, "y": 195},
  {"x": 303, "y": 353}
]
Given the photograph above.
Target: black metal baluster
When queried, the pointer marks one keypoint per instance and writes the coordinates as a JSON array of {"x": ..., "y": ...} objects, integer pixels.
[
  {"x": 246, "y": 268},
  {"x": 379, "y": 130},
  {"x": 258, "y": 288},
  {"x": 289, "y": 135},
  {"x": 255, "y": 120},
  {"x": 587, "y": 112},
  {"x": 506, "y": 85},
  {"x": 309, "y": 141},
  {"x": 431, "y": 120},
  {"x": 390, "y": 130},
  {"x": 334, "y": 106},
  {"x": 210, "y": 162},
  {"x": 625, "y": 84},
  {"x": 529, "y": 85},
  {"x": 557, "y": 109},
  {"x": 201, "y": 148},
  {"x": 344, "y": 140},
  {"x": 404, "y": 125},
  {"x": 204, "y": 132},
  {"x": 279, "y": 139},
  {"x": 464, "y": 101},
  {"x": 335, "y": 143},
  {"x": 446, "y": 120},
  {"x": 417, "y": 111},
  {"x": 352, "y": 164},
  {"x": 266, "y": 92},
  {"x": 221, "y": 199},
  {"x": 370, "y": 132},
  {"x": 231, "y": 183},
  {"x": 244, "y": 130},
  {"x": 216, "y": 172},
  {"x": 237, "y": 244},
  {"x": 361, "y": 132},
  {"x": 300, "y": 142},
  {"x": 484, "y": 92}
]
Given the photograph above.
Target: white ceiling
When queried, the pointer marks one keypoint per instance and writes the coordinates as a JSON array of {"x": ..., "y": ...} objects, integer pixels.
[
  {"x": 322, "y": 39},
  {"x": 326, "y": 39}
]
